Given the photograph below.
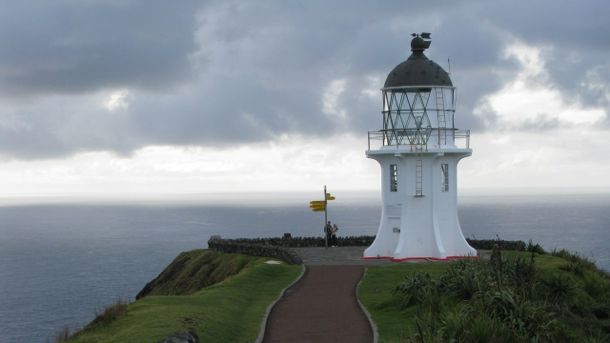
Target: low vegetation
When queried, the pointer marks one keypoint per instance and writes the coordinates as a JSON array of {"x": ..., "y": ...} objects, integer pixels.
[
  {"x": 365, "y": 241},
  {"x": 253, "y": 249},
  {"x": 109, "y": 314},
  {"x": 230, "y": 310},
  {"x": 299, "y": 242},
  {"x": 102, "y": 318},
  {"x": 514, "y": 297}
]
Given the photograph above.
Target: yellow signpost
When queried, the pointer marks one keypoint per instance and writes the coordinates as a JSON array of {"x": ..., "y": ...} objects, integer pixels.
[
  {"x": 321, "y": 205},
  {"x": 317, "y": 205}
]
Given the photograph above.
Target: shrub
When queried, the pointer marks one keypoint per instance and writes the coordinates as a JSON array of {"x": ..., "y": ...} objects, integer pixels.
[
  {"x": 488, "y": 244},
  {"x": 558, "y": 288},
  {"x": 520, "y": 274},
  {"x": 416, "y": 289},
  {"x": 596, "y": 285},
  {"x": 484, "y": 329},
  {"x": 535, "y": 248},
  {"x": 508, "y": 300},
  {"x": 452, "y": 322},
  {"x": 465, "y": 278},
  {"x": 501, "y": 304},
  {"x": 300, "y": 242}
]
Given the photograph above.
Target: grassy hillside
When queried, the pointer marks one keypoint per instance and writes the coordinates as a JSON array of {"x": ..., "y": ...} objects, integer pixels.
[
  {"x": 193, "y": 270},
  {"x": 229, "y": 311},
  {"x": 520, "y": 297}
]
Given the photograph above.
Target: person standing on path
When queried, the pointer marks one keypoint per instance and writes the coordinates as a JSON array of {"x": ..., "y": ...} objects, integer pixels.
[
  {"x": 334, "y": 235},
  {"x": 328, "y": 230}
]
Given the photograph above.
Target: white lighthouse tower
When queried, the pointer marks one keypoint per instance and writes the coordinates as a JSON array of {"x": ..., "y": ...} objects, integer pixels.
[{"x": 418, "y": 150}]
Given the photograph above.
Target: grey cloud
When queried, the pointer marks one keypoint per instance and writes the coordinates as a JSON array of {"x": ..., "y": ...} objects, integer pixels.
[
  {"x": 59, "y": 126},
  {"x": 576, "y": 38},
  {"x": 51, "y": 47},
  {"x": 541, "y": 122},
  {"x": 570, "y": 25},
  {"x": 225, "y": 73}
]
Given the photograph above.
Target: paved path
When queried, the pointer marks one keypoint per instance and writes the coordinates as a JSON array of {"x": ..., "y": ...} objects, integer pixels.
[
  {"x": 350, "y": 256},
  {"x": 321, "y": 307}
]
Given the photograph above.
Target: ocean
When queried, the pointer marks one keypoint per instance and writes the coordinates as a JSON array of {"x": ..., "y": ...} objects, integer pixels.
[{"x": 60, "y": 262}]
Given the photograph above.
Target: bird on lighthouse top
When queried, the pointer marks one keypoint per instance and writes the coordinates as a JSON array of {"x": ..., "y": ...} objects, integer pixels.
[{"x": 418, "y": 70}]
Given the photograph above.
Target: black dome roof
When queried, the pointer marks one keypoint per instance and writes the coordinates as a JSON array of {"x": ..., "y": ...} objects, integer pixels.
[{"x": 418, "y": 70}]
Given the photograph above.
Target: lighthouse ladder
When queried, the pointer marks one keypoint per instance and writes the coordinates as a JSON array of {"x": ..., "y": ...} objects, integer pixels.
[
  {"x": 440, "y": 116},
  {"x": 418, "y": 179}
]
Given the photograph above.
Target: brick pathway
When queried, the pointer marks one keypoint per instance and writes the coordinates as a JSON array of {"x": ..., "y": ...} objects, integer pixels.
[{"x": 321, "y": 307}]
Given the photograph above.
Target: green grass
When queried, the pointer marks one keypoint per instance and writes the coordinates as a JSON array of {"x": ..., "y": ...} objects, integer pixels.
[
  {"x": 193, "y": 270},
  {"x": 555, "y": 297},
  {"x": 376, "y": 293},
  {"x": 230, "y": 311}
]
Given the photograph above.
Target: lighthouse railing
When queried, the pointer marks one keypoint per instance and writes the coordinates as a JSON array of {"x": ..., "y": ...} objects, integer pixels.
[
  {"x": 462, "y": 136},
  {"x": 381, "y": 138}
]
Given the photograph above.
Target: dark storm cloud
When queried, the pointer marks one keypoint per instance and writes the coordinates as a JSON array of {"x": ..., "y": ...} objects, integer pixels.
[
  {"x": 225, "y": 72},
  {"x": 79, "y": 46}
]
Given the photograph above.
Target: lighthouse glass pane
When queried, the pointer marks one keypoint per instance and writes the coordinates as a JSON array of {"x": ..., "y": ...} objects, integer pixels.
[
  {"x": 445, "y": 177},
  {"x": 385, "y": 102},
  {"x": 393, "y": 178}
]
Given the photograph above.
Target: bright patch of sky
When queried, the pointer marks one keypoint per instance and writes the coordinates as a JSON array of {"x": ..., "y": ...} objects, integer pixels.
[
  {"x": 290, "y": 163},
  {"x": 541, "y": 138},
  {"x": 118, "y": 100},
  {"x": 530, "y": 100}
]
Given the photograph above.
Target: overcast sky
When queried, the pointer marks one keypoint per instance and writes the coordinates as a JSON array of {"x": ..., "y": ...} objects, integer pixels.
[{"x": 143, "y": 97}]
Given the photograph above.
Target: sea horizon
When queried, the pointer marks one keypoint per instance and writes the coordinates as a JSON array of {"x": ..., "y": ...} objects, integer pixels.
[{"x": 246, "y": 198}]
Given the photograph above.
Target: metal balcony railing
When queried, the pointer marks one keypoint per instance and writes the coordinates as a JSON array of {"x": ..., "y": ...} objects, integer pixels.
[{"x": 452, "y": 138}]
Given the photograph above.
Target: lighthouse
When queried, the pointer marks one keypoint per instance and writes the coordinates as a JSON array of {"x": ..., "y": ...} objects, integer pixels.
[{"x": 418, "y": 149}]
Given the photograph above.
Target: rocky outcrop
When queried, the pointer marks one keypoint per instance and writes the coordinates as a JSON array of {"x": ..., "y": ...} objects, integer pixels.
[{"x": 189, "y": 336}]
